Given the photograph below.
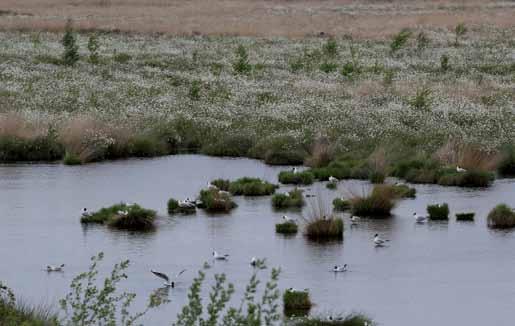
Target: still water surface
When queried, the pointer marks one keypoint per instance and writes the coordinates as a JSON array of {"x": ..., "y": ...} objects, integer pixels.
[{"x": 452, "y": 273}]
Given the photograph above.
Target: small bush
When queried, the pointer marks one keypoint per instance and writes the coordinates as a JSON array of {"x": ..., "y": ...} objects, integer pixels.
[
  {"x": 329, "y": 228},
  {"x": 438, "y": 211},
  {"x": 216, "y": 201},
  {"x": 194, "y": 91},
  {"x": 465, "y": 216},
  {"x": 279, "y": 150},
  {"x": 399, "y": 40},
  {"x": 242, "y": 65},
  {"x": 340, "y": 204},
  {"x": 71, "y": 49},
  {"x": 378, "y": 203},
  {"x": 286, "y": 228},
  {"x": 41, "y": 148},
  {"x": 251, "y": 187},
  {"x": 501, "y": 217},
  {"x": 145, "y": 146},
  {"x": 302, "y": 178},
  {"x": 350, "y": 70},
  {"x": 293, "y": 199},
  {"x": 295, "y": 302}
]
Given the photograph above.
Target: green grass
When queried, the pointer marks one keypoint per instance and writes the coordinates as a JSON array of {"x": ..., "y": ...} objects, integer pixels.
[
  {"x": 251, "y": 187},
  {"x": 137, "y": 218},
  {"x": 215, "y": 201},
  {"x": 294, "y": 199},
  {"x": 320, "y": 229},
  {"x": 340, "y": 204},
  {"x": 286, "y": 228},
  {"x": 438, "y": 211},
  {"x": 296, "y": 302},
  {"x": 465, "y": 216},
  {"x": 299, "y": 178},
  {"x": 501, "y": 217}
]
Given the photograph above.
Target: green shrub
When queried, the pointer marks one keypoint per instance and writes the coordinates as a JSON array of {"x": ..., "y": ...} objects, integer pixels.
[
  {"x": 242, "y": 65},
  {"x": 214, "y": 200},
  {"x": 71, "y": 159},
  {"x": 145, "y": 146},
  {"x": 340, "y": 204},
  {"x": 279, "y": 150},
  {"x": 136, "y": 219},
  {"x": 460, "y": 30},
  {"x": 438, "y": 211},
  {"x": 399, "y": 40},
  {"x": 295, "y": 302},
  {"x": 71, "y": 49},
  {"x": 378, "y": 203},
  {"x": 286, "y": 228},
  {"x": 293, "y": 199},
  {"x": 501, "y": 217},
  {"x": 251, "y": 187},
  {"x": 403, "y": 167},
  {"x": 194, "y": 91},
  {"x": 465, "y": 216},
  {"x": 302, "y": 178},
  {"x": 507, "y": 164},
  {"x": 322, "y": 228},
  {"x": 350, "y": 70}
]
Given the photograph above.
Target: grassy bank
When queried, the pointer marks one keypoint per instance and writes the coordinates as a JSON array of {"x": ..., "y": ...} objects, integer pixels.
[{"x": 133, "y": 95}]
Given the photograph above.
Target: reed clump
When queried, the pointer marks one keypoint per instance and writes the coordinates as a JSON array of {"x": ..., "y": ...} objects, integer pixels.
[
  {"x": 293, "y": 199},
  {"x": 501, "y": 217}
]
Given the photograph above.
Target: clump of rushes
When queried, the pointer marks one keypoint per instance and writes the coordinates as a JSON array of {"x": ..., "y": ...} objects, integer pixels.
[
  {"x": 350, "y": 320},
  {"x": 296, "y": 302},
  {"x": 331, "y": 185},
  {"x": 286, "y": 228},
  {"x": 214, "y": 200},
  {"x": 340, "y": 204},
  {"x": 174, "y": 207},
  {"x": 438, "y": 211},
  {"x": 501, "y": 217},
  {"x": 122, "y": 216},
  {"x": 292, "y": 177},
  {"x": 251, "y": 187},
  {"x": 378, "y": 203},
  {"x": 465, "y": 216},
  {"x": 404, "y": 191},
  {"x": 324, "y": 228},
  {"x": 291, "y": 199},
  {"x": 471, "y": 178}
]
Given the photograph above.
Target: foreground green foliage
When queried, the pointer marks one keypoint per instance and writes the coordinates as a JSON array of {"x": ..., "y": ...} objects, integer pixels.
[
  {"x": 293, "y": 199},
  {"x": 438, "y": 211},
  {"x": 501, "y": 217}
]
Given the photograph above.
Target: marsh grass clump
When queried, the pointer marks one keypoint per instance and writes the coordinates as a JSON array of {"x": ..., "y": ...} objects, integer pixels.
[
  {"x": 174, "y": 207},
  {"x": 340, "y": 204},
  {"x": 399, "y": 40},
  {"x": 214, "y": 200},
  {"x": 14, "y": 312},
  {"x": 133, "y": 218},
  {"x": 350, "y": 320},
  {"x": 286, "y": 228},
  {"x": 471, "y": 178},
  {"x": 331, "y": 185},
  {"x": 297, "y": 178},
  {"x": 465, "y": 216},
  {"x": 324, "y": 228},
  {"x": 378, "y": 203},
  {"x": 279, "y": 150},
  {"x": 377, "y": 177},
  {"x": 296, "y": 302},
  {"x": 328, "y": 67},
  {"x": 501, "y": 217},
  {"x": 438, "y": 211},
  {"x": 422, "y": 99},
  {"x": 39, "y": 148},
  {"x": 251, "y": 187},
  {"x": 404, "y": 191},
  {"x": 293, "y": 199},
  {"x": 123, "y": 216}
]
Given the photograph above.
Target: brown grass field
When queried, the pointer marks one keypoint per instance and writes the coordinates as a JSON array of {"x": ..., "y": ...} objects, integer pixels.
[{"x": 290, "y": 18}]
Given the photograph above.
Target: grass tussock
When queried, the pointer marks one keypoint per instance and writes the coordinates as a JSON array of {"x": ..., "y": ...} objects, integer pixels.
[
  {"x": 250, "y": 187},
  {"x": 123, "y": 216},
  {"x": 438, "y": 211},
  {"x": 321, "y": 225},
  {"x": 296, "y": 302},
  {"x": 501, "y": 217},
  {"x": 286, "y": 228},
  {"x": 468, "y": 156},
  {"x": 340, "y": 204},
  {"x": 296, "y": 178},
  {"x": 216, "y": 201},
  {"x": 465, "y": 216},
  {"x": 378, "y": 203},
  {"x": 293, "y": 199}
]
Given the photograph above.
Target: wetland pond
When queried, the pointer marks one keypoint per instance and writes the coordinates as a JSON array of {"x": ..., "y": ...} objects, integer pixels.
[{"x": 438, "y": 273}]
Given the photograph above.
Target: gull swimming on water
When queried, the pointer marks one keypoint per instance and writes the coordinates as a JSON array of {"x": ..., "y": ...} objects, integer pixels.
[
  {"x": 339, "y": 269},
  {"x": 418, "y": 218},
  {"x": 289, "y": 219},
  {"x": 354, "y": 219},
  {"x": 378, "y": 241},
  {"x": 51, "y": 268},
  {"x": 166, "y": 278},
  {"x": 217, "y": 256}
]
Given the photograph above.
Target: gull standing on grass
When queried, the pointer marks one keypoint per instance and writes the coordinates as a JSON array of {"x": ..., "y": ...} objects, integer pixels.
[{"x": 165, "y": 277}]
